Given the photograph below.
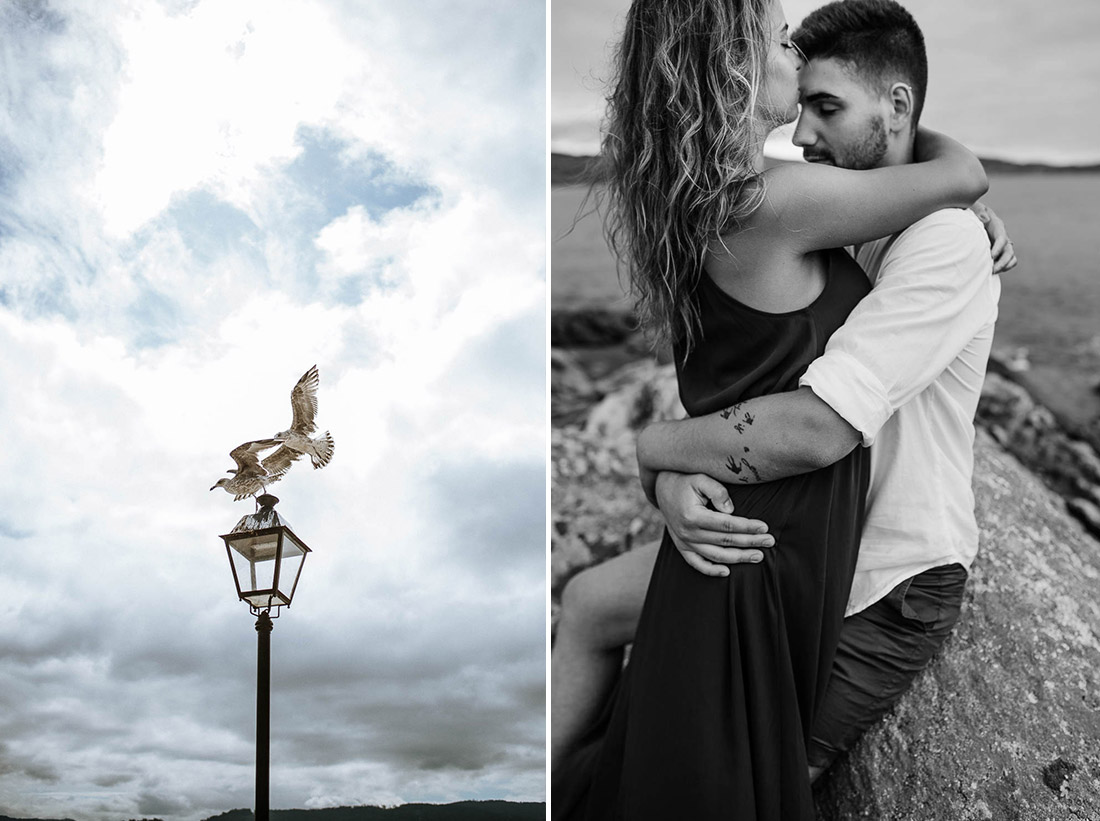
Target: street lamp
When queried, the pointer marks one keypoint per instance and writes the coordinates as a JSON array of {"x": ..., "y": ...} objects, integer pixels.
[{"x": 266, "y": 557}]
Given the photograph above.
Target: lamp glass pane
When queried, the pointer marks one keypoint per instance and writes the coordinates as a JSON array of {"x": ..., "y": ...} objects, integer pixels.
[
  {"x": 254, "y": 560},
  {"x": 291, "y": 567}
]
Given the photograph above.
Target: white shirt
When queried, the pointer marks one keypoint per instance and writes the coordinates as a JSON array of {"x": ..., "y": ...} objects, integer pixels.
[{"x": 906, "y": 371}]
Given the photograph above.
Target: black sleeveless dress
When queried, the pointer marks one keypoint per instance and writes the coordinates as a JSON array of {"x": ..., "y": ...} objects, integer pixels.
[{"x": 711, "y": 717}]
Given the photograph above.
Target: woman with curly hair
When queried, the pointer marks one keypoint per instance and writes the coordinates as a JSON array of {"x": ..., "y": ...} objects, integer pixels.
[{"x": 739, "y": 267}]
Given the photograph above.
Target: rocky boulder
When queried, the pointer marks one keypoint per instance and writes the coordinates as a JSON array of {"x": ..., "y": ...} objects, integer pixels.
[{"x": 1068, "y": 464}]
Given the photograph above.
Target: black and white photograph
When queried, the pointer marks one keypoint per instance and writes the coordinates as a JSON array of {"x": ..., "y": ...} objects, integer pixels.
[
  {"x": 825, "y": 410},
  {"x": 272, "y": 339}
]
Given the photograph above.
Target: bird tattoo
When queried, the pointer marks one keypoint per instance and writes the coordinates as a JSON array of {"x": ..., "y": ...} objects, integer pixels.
[{"x": 253, "y": 474}]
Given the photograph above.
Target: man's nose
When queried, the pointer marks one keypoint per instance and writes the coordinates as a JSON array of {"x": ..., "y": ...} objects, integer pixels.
[{"x": 803, "y": 133}]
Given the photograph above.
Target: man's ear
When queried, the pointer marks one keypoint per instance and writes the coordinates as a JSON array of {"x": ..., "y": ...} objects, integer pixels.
[{"x": 901, "y": 106}]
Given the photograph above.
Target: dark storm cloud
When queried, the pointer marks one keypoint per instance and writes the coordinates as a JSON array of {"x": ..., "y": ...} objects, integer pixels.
[
  {"x": 150, "y": 804},
  {"x": 460, "y": 688},
  {"x": 472, "y": 720},
  {"x": 15, "y": 764},
  {"x": 112, "y": 780},
  {"x": 45, "y": 633}
]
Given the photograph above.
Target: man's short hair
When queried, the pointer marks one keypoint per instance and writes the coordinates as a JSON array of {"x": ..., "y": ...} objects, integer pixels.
[{"x": 877, "y": 39}]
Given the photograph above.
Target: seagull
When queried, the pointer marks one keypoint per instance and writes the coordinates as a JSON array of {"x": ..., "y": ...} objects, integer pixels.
[
  {"x": 251, "y": 476},
  {"x": 296, "y": 439}
]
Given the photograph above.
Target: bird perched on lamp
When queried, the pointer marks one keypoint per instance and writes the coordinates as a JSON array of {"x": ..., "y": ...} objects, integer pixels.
[{"x": 252, "y": 474}]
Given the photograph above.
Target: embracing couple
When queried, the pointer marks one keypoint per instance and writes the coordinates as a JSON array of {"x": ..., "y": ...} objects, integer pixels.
[{"x": 818, "y": 500}]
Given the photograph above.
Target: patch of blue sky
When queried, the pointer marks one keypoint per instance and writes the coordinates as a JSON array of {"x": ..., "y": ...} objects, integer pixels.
[
  {"x": 12, "y": 165},
  {"x": 210, "y": 227},
  {"x": 48, "y": 292},
  {"x": 323, "y": 183},
  {"x": 332, "y": 178},
  {"x": 156, "y": 319},
  {"x": 352, "y": 290}
]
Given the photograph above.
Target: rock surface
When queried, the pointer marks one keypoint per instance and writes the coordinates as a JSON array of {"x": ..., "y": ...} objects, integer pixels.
[
  {"x": 1005, "y": 724},
  {"x": 1068, "y": 463}
]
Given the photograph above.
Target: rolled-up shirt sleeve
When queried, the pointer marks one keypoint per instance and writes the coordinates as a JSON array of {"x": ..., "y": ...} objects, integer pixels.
[{"x": 934, "y": 292}]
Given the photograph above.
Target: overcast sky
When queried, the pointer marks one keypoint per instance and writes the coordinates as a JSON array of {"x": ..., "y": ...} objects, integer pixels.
[{"x": 198, "y": 201}]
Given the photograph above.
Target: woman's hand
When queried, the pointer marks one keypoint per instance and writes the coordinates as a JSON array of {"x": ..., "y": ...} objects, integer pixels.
[
  {"x": 1000, "y": 246},
  {"x": 699, "y": 515}
]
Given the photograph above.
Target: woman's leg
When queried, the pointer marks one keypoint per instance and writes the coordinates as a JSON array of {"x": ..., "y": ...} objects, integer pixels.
[{"x": 600, "y": 609}]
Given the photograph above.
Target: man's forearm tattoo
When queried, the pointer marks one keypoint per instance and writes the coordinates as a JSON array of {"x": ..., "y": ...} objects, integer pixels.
[
  {"x": 740, "y": 418},
  {"x": 737, "y": 466}
]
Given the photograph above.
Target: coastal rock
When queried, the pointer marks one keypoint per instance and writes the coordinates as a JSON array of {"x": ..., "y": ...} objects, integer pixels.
[
  {"x": 598, "y": 507},
  {"x": 1070, "y": 466},
  {"x": 1087, "y": 512},
  {"x": 634, "y": 396},
  {"x": 573, "y": 390},
  {"x": 591, "y": 328}
]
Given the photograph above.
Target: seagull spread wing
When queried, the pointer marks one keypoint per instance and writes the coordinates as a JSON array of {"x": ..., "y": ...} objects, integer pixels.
[
  {"x": 303, "y": 400},
  {"x": 280, "y": 461},
  {"x": 248, "y": 462}
]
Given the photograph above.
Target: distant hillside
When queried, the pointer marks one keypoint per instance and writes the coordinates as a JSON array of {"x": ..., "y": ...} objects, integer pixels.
[
  {"x": 459, "y": 811},
  {"x": 1004, "y": 166},
  {"x": 566, "y": 169}
]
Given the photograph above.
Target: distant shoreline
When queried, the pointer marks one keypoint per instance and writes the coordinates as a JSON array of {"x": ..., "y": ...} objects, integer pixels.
[{"x": 567, "y": 169}]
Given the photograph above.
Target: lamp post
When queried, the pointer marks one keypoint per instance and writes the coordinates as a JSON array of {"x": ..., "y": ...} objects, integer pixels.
[{"x": 266, "y": 557}]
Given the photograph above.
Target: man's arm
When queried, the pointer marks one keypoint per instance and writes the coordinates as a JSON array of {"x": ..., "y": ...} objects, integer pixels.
[
  {"x": 934, "y": 293},
  {"x": 758, "y": 440}
]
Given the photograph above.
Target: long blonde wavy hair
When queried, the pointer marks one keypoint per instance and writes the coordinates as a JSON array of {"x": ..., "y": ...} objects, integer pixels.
[{"x": 679, "y": 145}]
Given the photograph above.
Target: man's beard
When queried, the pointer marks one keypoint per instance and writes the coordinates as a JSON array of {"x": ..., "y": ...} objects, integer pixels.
[{"x": 867, "y": 152}]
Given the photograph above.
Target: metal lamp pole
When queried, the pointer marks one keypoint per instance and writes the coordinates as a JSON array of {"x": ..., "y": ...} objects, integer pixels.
[{"x": 263, "y": 714}]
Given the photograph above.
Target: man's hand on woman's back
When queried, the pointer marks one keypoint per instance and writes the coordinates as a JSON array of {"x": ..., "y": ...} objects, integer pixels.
[{"x": 699, "y": 515}]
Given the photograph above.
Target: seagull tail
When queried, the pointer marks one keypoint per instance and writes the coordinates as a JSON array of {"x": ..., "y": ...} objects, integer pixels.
[{"x": 322, "y": 449}]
